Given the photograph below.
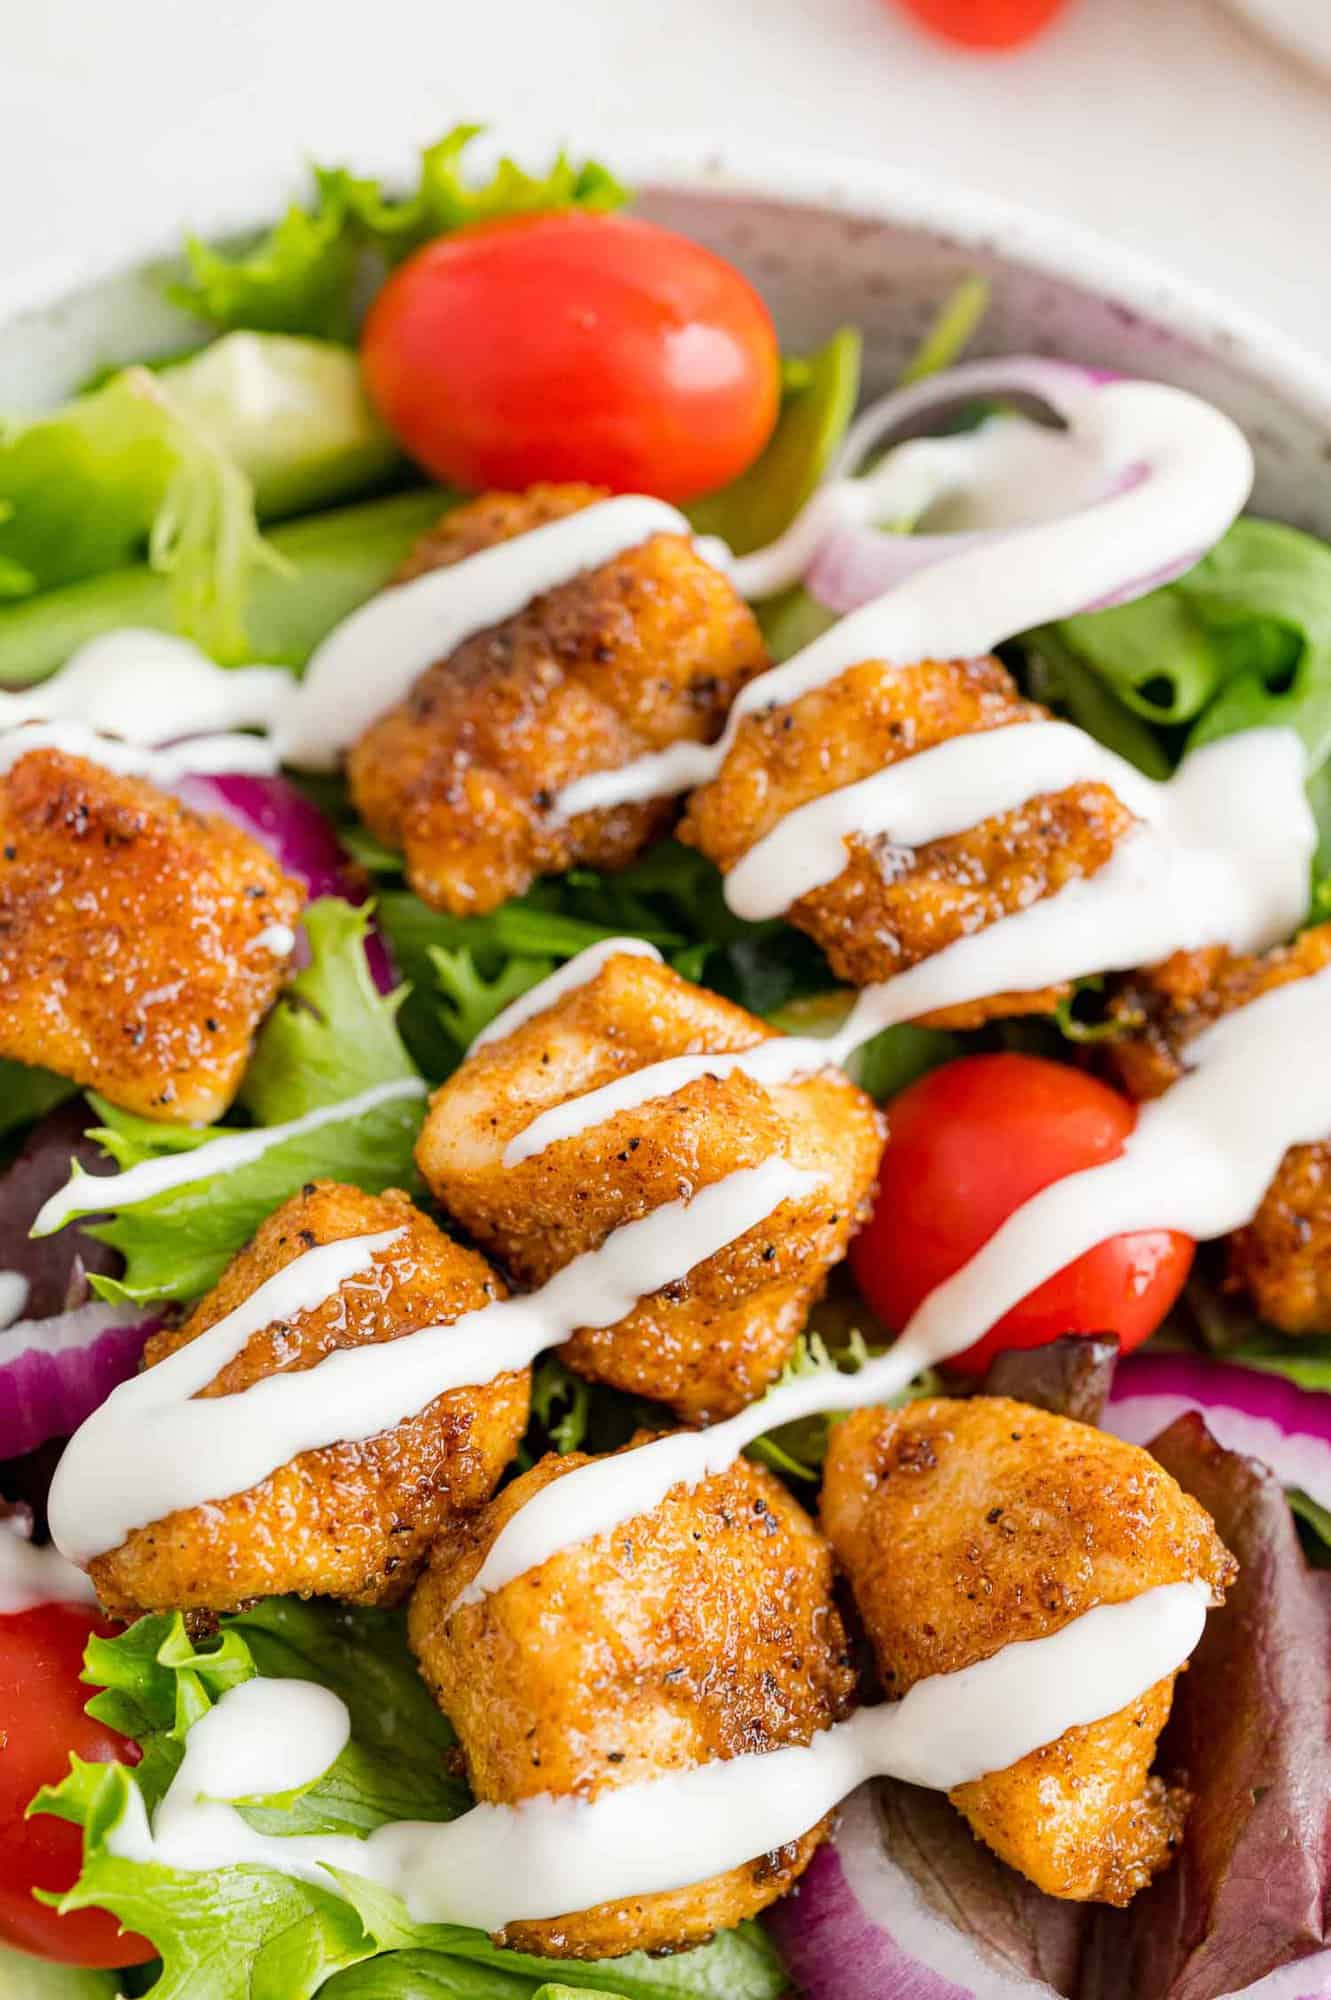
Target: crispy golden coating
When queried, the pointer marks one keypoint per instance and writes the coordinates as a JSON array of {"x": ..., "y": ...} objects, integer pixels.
[
  {"x": 711, "y": 1342},
  {"x": 132, "y": 956},
  {"x": 964, "y": 1526},
  {"x": 705, "y": 1629},
  {"x": 1282, "y": 1259},
  {"x": 645, "y": 651},
  {"x": 892, "y": 906},
  {"x": 352, "y": 1520}
]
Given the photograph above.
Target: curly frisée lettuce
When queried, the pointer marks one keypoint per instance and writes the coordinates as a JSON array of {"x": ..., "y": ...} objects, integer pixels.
[
  {"x": 330, "y": 1038},
  {"x": 304, "y": 275},
  {"x": 248, "y": 1932}
]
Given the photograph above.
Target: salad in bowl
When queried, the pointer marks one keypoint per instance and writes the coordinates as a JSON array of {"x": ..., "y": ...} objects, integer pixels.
[{"x": 665, "y": 1207}]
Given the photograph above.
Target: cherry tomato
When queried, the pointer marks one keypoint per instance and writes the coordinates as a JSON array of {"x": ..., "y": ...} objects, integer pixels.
[
  {"x": 969, "y": 1143},
  {"x": 41, "y": 1721},
  {"x": 574, "y": 346},
  {"x": 986, "y": 24}
]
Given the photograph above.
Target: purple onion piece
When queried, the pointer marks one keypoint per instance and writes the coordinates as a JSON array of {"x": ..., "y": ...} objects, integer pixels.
[
  {"x": 55, "y": 1372},
  {"x": 1247, "y": 1410}
]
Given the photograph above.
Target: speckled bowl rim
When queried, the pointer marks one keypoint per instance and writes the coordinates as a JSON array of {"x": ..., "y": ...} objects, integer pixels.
[{"x": 242, "y": 196}]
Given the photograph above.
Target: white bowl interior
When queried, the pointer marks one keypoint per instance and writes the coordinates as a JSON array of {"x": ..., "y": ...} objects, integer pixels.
[{"x": 867, "y": 251}]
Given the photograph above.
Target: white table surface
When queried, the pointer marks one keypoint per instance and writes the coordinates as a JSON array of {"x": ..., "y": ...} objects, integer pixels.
[{"x": 1163, "y": 123}]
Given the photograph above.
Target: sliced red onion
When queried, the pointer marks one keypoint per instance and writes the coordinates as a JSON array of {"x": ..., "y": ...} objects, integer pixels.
[
  {"x": 299, "y": 836},
  {"x": 55, "y": 1372},
  {"x": 1306, "y": 1979},
  {"x": 1247, "y": 1410},
  {"x": 858, "y": 1928},
  {"x": 856, "y": 561}
]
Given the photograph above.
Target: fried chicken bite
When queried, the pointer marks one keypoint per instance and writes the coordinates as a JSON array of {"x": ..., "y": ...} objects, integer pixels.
[
  {"x": 893, "y": 906},
  {"x": 644, "y": 651},
  {"x": 141, "y": 943},
  {"x": 1281, "y": 1260},
  {"x": 964, "y": 1526},
  {"x": 352, "y": 1520},
  {"x": 704, "y": 1629},
  {"x": 711, "y": 1342}
]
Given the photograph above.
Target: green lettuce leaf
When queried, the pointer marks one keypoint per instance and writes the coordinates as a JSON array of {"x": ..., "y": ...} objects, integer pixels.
[
  {"x": 249, "y": 1933},
  {"x": 329, "y": 1037},
  {"x": 25, "y": 1978},
  {"x": 90, "y": 487},
  {"x": 672, "y": 897},
  {"x": 1242, "y": 641},
  {"x": 330, "y": 1033},
  {"x": 179, "y": 464},
  {"x": 306, "y": 274},
  {"x": 816, "y": 407},
  {"x": 325, "y": 567}
]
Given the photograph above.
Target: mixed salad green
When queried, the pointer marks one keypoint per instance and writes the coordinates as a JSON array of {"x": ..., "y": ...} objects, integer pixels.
[{"x": 244, "y": 493}]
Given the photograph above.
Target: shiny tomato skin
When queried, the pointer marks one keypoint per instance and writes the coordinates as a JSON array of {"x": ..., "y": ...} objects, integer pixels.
[
  {"x": 574, "y": 347},
  {"x": 41, "y": 1722},
  {"x": 986, "y": 24},
  {"x": 969, "y": 1143}
]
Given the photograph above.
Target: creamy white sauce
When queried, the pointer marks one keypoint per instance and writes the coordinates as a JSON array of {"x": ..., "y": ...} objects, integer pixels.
[
  {"x": 579, "y": 971},
  {"x": 88, "y": 1194},
  {"x": 774, "y": 1061},
  {"x": 929, "y": 796},
  {"x": 150, "y": 688},
  {"x": 13, "y": 1297},
  {"x": 279, "y": 939},
  {"x": 368, "y": 663},
  {"x": 1197, "y": 871},
  {"x": 203, "y": 755},
  {"x": 1200, "y": 471},
  {"x": 31, "y": 1576},
  {"x": 1199, "y": 1160},
  {"x": 1006, "y": 474},
  {"x": 551, "y": 1856},
  {"x": 106, "y": 1484}
]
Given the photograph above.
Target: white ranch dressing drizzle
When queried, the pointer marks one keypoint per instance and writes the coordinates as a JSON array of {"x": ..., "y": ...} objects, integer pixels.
[
  {"x": 1197, "y": 872},
  {"x": 940, "y": 791},
  {"x": 31, "y": 1576},
  {"x": 150, "y": 688},
  {"x": 1200, "y": 473},
  {"x": 13, "y": 1297},
  {"x": 368, "y": 663},
  {"x": 106, "y": 1484},
  {"x": 1199, "y": 1160},
  {"x": 203, "y": 755},
  {"x": 579, "y": 971},
  {"x": 279, "y": 939},
  {"x": 550, "y": 1856},
  {"x": 88, "y": 1194}
]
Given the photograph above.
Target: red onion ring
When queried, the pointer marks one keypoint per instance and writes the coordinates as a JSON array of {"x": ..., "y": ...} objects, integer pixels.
[{"x": 55, "y": 1372}]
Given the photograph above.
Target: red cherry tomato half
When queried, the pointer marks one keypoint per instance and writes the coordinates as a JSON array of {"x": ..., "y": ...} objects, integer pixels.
[
  {"x": 969, "y": 1143},
  {"x": 986, "y": 24},
  {"x": 574, "y": 347},
  {"x": 41, "y": 1721}
]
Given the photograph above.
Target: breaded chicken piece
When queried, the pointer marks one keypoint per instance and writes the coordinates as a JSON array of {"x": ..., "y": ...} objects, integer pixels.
[
  {"x": 352, "y": 1520},
  {"x": 704, "y": 1629},
  {"x": 892, "y": 906},
  {"x": 1282, "y": 1259},
  {"x": 711, "y": 1342},
  {"x": 647, "y": 650},
  {"x": 964, "y": 1526},
  {"x": 135, "y": 946}
]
